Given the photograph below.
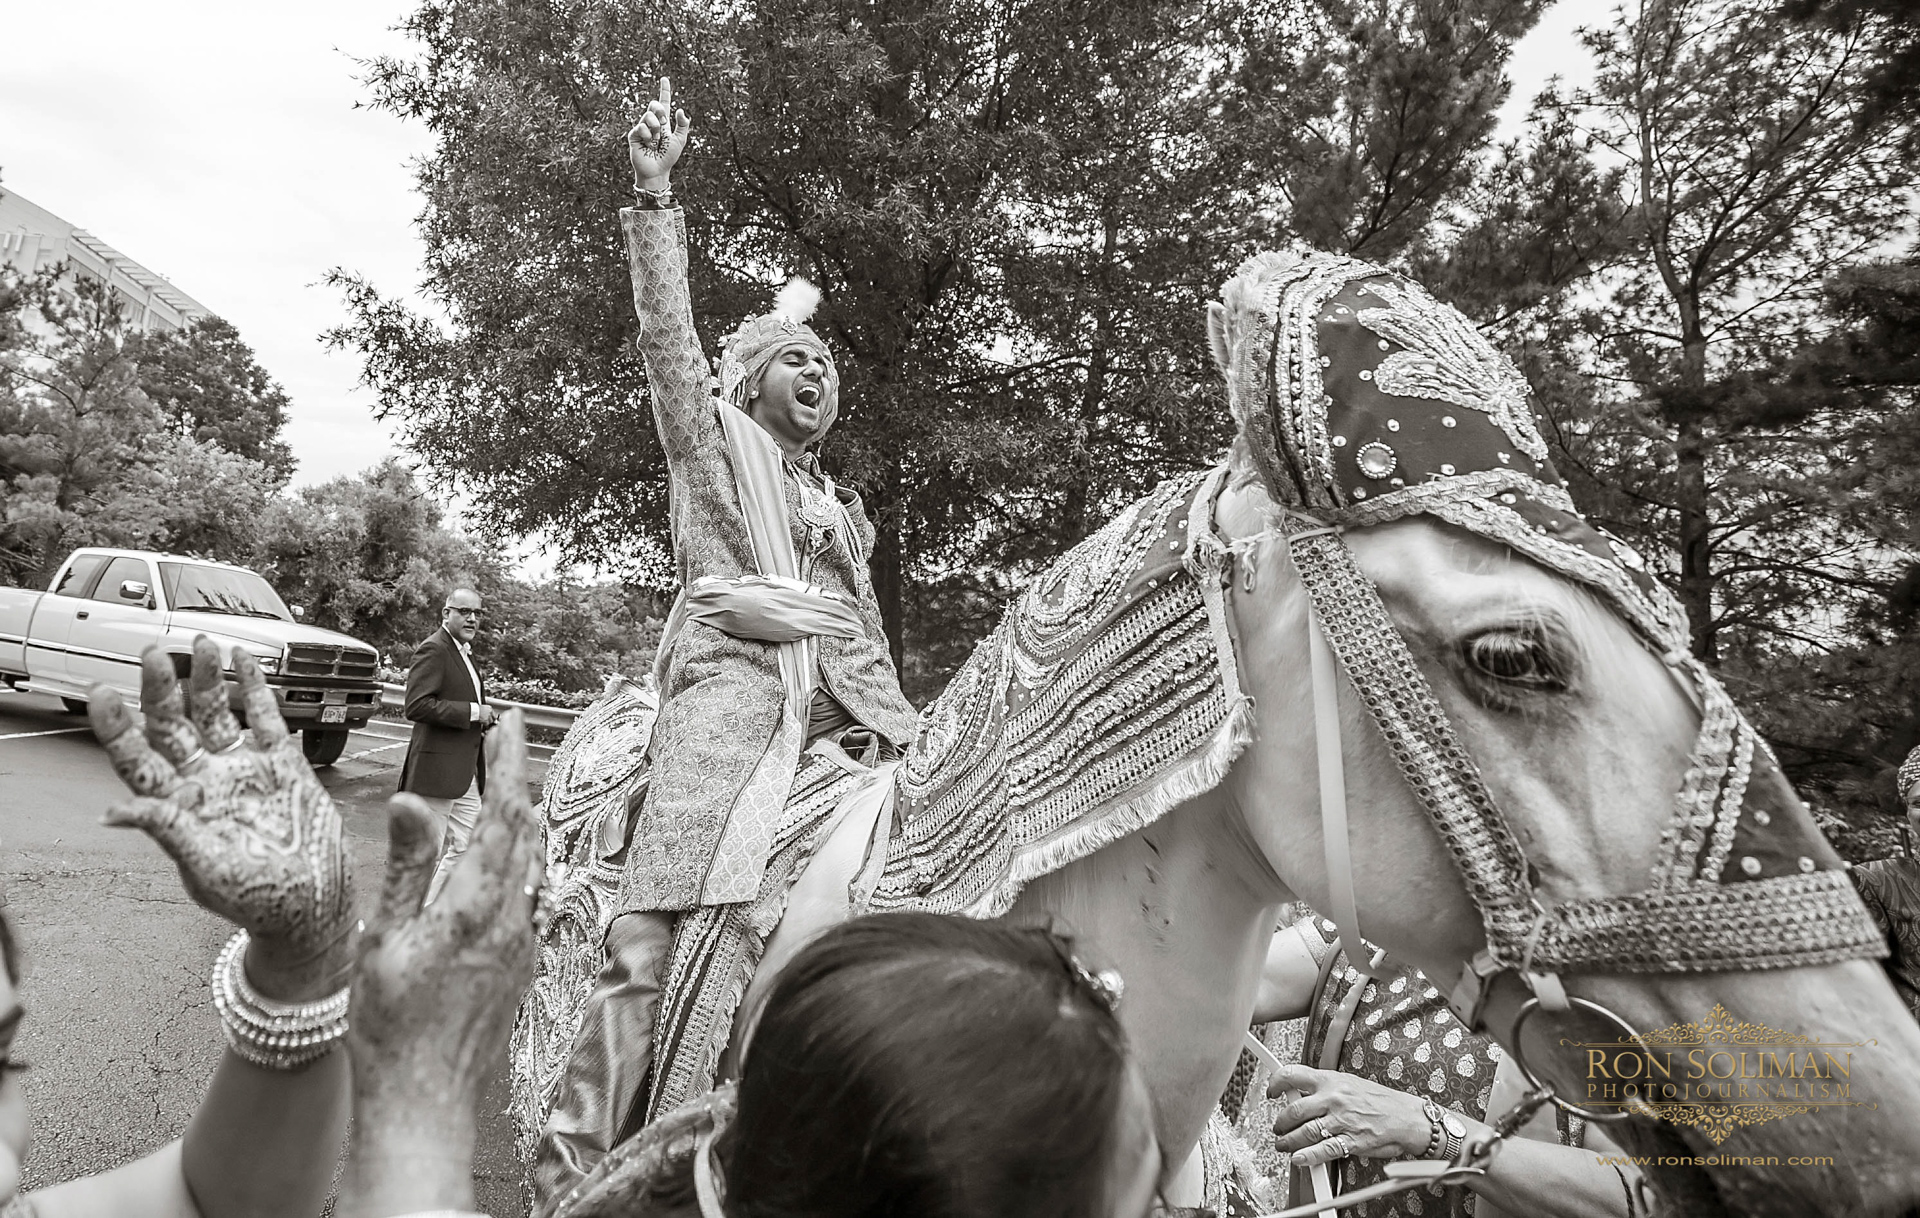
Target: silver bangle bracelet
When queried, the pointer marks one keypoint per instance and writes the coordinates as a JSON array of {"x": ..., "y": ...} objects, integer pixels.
[{"x": 274, "y": 1035}]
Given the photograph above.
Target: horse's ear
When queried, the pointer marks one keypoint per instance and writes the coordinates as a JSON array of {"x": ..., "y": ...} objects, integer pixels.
[{"x": 1217, "y": 333}]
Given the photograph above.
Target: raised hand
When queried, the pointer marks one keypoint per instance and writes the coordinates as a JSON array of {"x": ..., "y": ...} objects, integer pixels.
[
  {"x": 435, "y": 989},
  {"x": 657, "y": 140},
  {"x": 256, "y": 837}
]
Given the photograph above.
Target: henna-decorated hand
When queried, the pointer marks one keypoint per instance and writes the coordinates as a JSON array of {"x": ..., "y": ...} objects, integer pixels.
[
  {"x": 657, "y": 140},
  {"x": 255, "y": 835},
  {"x": 435, "y": 989}
]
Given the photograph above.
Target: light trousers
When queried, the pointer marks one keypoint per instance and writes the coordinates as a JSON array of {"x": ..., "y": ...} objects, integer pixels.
[{"x": 456, "y": 817}]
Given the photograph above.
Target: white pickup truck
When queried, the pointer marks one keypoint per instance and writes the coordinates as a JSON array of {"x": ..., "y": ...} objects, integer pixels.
[{"x": 105, "y": 607}]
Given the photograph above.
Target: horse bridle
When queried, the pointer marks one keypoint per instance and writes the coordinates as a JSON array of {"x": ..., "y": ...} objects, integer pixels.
[
  {"x": 1362, "y": 400},
  {"x": 1693, "y": 927},
  {"x": 1438, "y": 768},
  {"x": 1420, "y": 735}
]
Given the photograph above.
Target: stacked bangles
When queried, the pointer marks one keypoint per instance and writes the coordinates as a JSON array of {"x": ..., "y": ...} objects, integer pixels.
[{"x": 276, "y": 1035}]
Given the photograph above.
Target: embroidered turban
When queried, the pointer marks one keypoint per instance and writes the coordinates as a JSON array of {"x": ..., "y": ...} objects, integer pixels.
[
  {"x": 1909, "y": 772},
  {"x": 760, "y": 340}
]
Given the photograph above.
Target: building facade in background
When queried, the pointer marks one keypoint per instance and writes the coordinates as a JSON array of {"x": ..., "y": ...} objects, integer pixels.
[{"x": 33, "y": 238}]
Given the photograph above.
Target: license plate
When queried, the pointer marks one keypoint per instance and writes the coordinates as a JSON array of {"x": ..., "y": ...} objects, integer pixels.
[{"x": 333, "y": 714}]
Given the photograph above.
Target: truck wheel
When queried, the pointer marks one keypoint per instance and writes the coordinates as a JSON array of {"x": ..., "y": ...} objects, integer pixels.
[
  {"x": 75, "y": 706},
  {"x": 322, "y": 748}
]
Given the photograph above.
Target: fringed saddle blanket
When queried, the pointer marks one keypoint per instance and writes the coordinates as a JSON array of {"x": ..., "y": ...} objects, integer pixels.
[{"x": 1107, "y": 696}]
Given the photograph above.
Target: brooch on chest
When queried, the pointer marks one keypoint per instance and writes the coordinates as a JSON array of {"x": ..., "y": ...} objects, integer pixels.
[{"x": 819, "y": 514}]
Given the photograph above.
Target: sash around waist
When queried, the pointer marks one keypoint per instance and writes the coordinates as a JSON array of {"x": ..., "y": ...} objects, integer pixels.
[{"x": 771, "y": 609}]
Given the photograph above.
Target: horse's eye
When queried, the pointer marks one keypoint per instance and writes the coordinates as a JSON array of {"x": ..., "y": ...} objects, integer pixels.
[{"x": 1516, "y": 657}]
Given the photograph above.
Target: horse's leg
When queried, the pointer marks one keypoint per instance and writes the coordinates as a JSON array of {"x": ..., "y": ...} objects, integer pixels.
[{"x": 1185, "y": 910}]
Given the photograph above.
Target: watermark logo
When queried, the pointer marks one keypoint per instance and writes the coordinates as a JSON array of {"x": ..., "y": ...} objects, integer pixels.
[{"x": 1717, "y": 1074}]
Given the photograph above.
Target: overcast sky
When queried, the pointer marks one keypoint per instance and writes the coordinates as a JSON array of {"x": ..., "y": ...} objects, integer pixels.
[{"x": 217, "y": 143}]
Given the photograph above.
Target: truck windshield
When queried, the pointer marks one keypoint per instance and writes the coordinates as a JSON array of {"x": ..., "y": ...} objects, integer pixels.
[{"x": 220, "y": 590}]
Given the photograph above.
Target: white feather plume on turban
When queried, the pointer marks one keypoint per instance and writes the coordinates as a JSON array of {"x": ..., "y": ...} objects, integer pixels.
[{"x": 759, "y": 340}]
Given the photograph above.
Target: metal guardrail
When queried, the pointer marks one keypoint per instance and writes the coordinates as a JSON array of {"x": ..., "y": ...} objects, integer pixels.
[{"x": 394, "y": 698}]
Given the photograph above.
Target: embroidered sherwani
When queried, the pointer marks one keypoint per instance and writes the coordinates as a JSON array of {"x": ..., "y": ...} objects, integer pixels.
[
  {"x": 774, "y": 641},
  {"x": 722, "y": 696}
]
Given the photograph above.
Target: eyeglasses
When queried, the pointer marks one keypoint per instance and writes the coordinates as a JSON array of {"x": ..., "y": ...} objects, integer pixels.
[{"x": 473, "y": 613}]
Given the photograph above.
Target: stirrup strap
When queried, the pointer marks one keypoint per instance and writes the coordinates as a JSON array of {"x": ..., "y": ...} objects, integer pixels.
[{"x": 1333, "y": 800}]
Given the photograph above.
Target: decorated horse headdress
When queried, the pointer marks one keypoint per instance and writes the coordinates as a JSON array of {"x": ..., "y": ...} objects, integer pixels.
[
  {"x": 759, "y": 340},
  {"x": 1364, "y": 400}
]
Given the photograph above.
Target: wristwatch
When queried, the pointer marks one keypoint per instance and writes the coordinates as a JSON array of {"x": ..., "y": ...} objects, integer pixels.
[{"x": 1448, "y": 1136}]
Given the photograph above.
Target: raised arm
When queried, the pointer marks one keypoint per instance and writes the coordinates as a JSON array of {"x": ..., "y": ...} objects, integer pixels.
[
  {"x": 258, "y": 842},
  {"x": 678, "y": 381},
  {"x": 435, "y": 992},
  {"x": 656, "y": 232}
]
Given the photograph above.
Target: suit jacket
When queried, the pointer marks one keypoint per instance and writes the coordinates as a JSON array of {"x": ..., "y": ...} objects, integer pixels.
[
  {"x": 444, "y": 756},
  {"x": 721, "y": 697}
]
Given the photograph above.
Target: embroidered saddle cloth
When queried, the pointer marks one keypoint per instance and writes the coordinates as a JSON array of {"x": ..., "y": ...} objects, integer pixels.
[
  {"x": 591, "y": 779},
  {"x": 1106, "y": 697}
]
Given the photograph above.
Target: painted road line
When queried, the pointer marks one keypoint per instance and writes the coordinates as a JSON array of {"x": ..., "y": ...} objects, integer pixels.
[
  {"x": 385, "y": 748},
  {"x": 388, "y": 748},
  {"x": 57, "y": 731}
]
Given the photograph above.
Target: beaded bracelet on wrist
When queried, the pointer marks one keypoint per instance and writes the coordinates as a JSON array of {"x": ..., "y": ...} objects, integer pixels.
[
  {"x": 275, "y": 1035},
  {"x": 654, "y": 200}
]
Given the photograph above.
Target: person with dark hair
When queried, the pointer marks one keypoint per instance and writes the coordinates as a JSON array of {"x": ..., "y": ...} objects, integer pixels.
[
  {"x": 1890, "y": 887},
  {"x": 909, "y": 1063}
]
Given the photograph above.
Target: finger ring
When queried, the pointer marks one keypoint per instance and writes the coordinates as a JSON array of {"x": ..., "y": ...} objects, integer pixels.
[
  {"x": 1316, "y": 1130},
  {"x": 1340, "y": 1145},
  {"x": 194, "y": 758},
  {"x": 231, "y": 748}
]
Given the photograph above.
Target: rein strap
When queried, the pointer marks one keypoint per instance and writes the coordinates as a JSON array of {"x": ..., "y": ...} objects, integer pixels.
[{"x": 1334, "y": 833}]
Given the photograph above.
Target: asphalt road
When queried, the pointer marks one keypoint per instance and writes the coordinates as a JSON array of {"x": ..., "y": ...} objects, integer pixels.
[{"x": 120, "y": 1035}]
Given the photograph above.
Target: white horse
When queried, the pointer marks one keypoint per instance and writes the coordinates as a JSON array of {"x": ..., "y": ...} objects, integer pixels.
[{"x": 1582, "y": 735}]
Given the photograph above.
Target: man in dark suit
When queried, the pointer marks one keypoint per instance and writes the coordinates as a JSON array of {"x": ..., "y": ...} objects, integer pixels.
[{"x": 447, "y": 702}]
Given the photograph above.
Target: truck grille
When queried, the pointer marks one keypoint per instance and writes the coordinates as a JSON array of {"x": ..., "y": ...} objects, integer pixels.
[{"x": 321, "y": 660}]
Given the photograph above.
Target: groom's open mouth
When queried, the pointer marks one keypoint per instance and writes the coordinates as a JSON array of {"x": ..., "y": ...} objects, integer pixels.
[{"x": 807, "y": 395}]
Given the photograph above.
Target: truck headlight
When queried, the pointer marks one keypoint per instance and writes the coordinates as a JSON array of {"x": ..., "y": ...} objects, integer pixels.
[{"x": 270, "y": 664}]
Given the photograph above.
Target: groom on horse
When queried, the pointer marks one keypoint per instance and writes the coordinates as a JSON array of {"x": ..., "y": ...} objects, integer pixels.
[{"x": 774, "y": 645}]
